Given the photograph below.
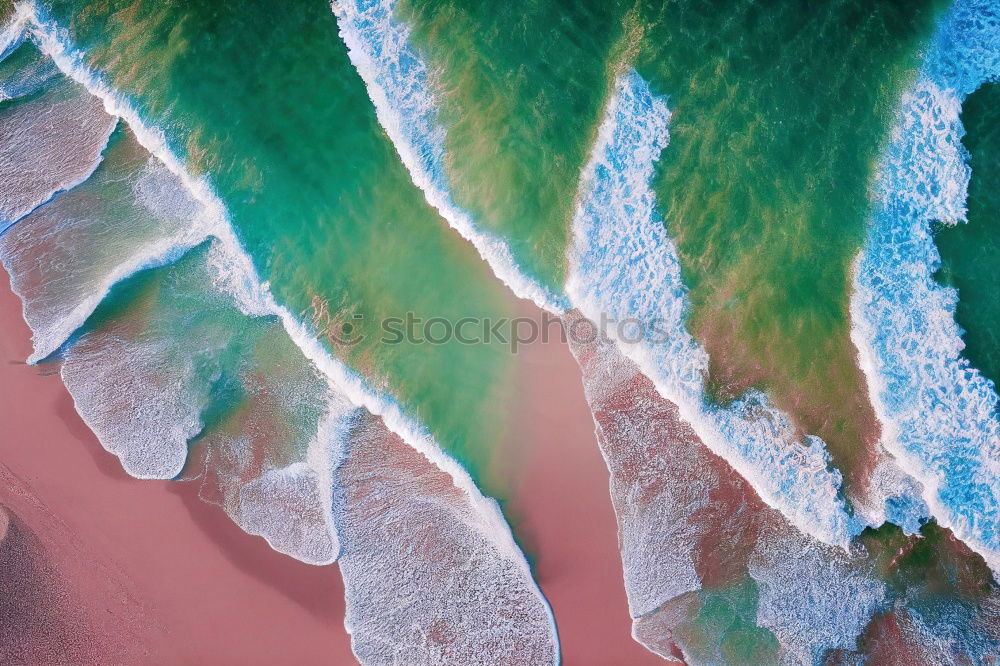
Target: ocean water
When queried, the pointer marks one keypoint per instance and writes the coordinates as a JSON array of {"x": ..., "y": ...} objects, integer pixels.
[
  {"x": 186, "y": 366},
  {"x": 209, "y": 209},
  {"x": 780, "y": 113},
  {"x": 729, "y": 190},
  {"x": 969, "y": 252},
  {"x": 939, "y": 414},
  {"x": 624, "y": 265},
  {"x": 521, "y": 103},
  {"x": 315, "y": 192},
  {"x": 781, "y": 110}
]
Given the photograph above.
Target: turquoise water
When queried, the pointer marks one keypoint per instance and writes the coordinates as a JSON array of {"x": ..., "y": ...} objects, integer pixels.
[
  {"x": 761, "y": 178},
  {"x": 970, "y": 252},
  {"x": 780, "y": 111},
  {"x": 316, "y": 192}
]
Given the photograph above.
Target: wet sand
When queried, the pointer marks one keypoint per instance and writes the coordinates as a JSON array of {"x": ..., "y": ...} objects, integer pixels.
[
  {"x": 149, "y": 572},
  {"x": 562, "y": 507},
  {"x": 188, "y": 585}
]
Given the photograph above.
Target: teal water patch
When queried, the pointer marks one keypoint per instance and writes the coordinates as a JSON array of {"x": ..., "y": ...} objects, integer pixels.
[
  {"x": 625, "y": 266},
  {"x": 938, "y": 413},
  {"x": 726, "y": 626},
  {"x": 970, "y": 253},
  {"x": 519, "y": 86},
  {"x": 781, "y": 110},
  {"x": 266, "y": 104},
  {"x": 24, "y": 71}
]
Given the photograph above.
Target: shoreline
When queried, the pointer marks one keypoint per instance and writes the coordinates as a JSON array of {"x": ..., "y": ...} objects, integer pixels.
[
  {"x": 561, "y": 501},
  {"x": 206, "y": 590}
]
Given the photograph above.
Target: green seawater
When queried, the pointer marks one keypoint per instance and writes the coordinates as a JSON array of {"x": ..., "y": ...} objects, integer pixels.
[
  {"x": 263, "y": 100},
  {"x": 520, "y": 87},
  {"x": 726, "y": 625},
  {"x": 970, "y": 253},
  {"x": 780, "y": 111}
]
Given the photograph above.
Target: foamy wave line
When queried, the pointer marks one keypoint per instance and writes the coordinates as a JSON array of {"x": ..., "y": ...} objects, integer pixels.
[
  {"x": 938, "y": 414},
  {"x": 398, "y": 84},
  {"x": 254, "y": 297},
  {"x": 12, "y": 34},
  {"x": 158, "y": 254},
  {"x": 624, "y": 264}
]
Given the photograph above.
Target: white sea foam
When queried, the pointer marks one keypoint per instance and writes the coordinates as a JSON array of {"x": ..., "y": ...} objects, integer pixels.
[
  {"x": 240, "y": 276},
  {"x": 12, "y": 34},
  {"x": 50, "y": 144},
  {"x": 660, "y": 479},
  {"x": 289, "y": 492},
  {"x": 273, "y": 457},
  {"x": 939, "y": 415},
  {"x": 953, "y": 633},
  {"x": 399, "y": 86},
  {"x": 624, "y": 265},
  {"x": 892, "y": 496},
  {"x": 64, "y": 257},
  {"x": 422, "y": 578},
  {"x": 140, "y": 394},
  {"x": 813, "y": 597},
  {"x": 236, "y": 275}
]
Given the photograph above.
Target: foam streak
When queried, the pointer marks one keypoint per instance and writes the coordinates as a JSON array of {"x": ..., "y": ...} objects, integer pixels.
[
  {"x": 398, "y": 84},
  {"x": 624, "y": 265},
  {"x": 939, "y": 415}
]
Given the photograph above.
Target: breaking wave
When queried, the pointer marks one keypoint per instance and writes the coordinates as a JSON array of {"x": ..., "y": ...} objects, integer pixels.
[
  {"x": 188, "y": 320},
  {"x": 939, "y": 415},
  {"x": 624, "y": 265},
  {"x": 398, "y": 84}
]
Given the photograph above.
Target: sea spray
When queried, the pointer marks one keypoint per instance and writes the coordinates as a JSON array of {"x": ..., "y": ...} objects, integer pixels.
[
  {"x": 939, "y": 414},
  {"x": 12, "y": 33},
  {"x": 398, "y": 84},
  {"x": 624, "y": 265}
]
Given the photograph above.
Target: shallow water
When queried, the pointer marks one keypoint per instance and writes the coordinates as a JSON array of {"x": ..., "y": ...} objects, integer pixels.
[
  {"x": 289, "y": 141},
  {"x": 761, "y": 180},
  {"x": 970, "y": 252}
]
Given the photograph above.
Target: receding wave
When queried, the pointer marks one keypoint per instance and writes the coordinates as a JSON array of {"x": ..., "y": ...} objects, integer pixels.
[
  {"x": 694, "y": 535},
  {"x": 454, "y": 601},
  {"x": 624, "y": 266},
  {"x": 179, "y": 358},
  {"x": 399, "y": 86},
  {"x": 65, "y": 256},
  {"x": 939, "y": 414}
]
